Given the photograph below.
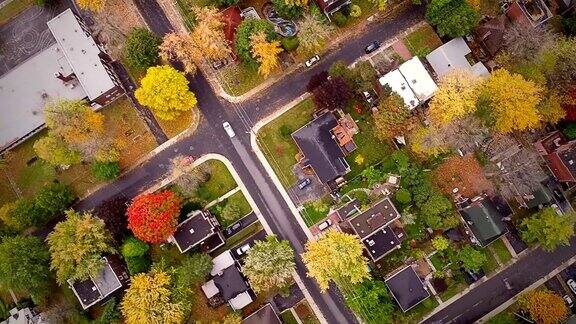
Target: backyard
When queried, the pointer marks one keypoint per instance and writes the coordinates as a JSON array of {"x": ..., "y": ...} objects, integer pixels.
[{"x": 27, "y": 174}]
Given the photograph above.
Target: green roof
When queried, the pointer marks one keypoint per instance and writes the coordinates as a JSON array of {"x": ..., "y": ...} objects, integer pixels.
[{"x": 484, "y": 220}]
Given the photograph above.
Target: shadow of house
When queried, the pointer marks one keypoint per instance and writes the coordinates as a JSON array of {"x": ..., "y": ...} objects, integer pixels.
[{"x": 490, "y": 34}]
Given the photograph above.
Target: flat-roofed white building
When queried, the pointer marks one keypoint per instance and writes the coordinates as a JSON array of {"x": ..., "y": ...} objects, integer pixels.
[{"x": 454, "y": 55}]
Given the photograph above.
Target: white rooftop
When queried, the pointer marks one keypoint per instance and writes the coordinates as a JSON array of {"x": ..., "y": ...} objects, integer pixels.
[
  {"x": 210, "y": 290},
  {"x": 452, "y": 55},
  {"x": 418, "y": 78},
  {"x": 221, "y": 262},
  {"x": 25, "y": 89},
  {"x": 82, "y": 53},
  {"x": 240, "y": 301},
  {"x": 398, "y": 84}
]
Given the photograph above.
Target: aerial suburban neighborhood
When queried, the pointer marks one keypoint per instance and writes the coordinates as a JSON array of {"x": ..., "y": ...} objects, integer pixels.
[{"x": 287, "y": 161}]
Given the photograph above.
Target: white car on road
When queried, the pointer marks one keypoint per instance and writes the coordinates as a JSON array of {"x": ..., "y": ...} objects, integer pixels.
[
  {"x": 572, "y": 284},
  {"x": 228, "y": 129},
  {"x": 313, "y": 60}
]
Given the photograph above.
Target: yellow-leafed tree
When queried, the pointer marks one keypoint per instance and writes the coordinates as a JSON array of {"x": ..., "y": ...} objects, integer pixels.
[
  {"x": 338, "y": 257},
  {"x": 544, "y": 306},
  {"x": 180, "y": 47},
  {"x": 165, "y": 90},
  {"x": 299, "y": 3},
  {"x": 513, "y": 101},
  {"x": 73, "y": 120},
  {"x": 148, "y": 300},
  {"x": 456, "y": 96},
  {"x": 265, "y": 52},
  {"x": 92, "y": 5}
]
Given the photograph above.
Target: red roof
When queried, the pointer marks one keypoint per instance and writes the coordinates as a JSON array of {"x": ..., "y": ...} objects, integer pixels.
[
  {"x": 231, "y": 18},
  {"x": 559, "y": 169}
]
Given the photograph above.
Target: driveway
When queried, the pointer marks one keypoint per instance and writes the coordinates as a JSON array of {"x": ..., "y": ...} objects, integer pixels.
[
  {"x": 243, "y": 222},
  {"x": 259, "y": 236},
  {"x": 315, "y": 190}
]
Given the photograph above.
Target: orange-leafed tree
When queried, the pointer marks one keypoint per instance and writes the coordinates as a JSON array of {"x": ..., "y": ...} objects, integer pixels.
[
  {"x": 153, "y": 217},
  {"x": 464, "y": 173},
  {"x": 544, "y": 306}
]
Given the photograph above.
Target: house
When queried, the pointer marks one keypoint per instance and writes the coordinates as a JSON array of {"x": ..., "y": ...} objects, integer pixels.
[
  {"x": 532, "y": 12},
  {"x": 264, "y": 315},
  {"x": 324, "y": 143},
  {"x": 411, "y": 81},
  {"x": 490, "y": 34},
  {"x": 330, "y": 7},
  {"x": 560, "y": 154},
  {"x": 111, "y": 278},
  {"x": 483, "y": 219},
  {"x": 228, "y": 283},
  {"x": 407, "y": 288},
  {"x": 201, "y": 230},
  {"x": 375, "y": 230},
  {"x": 24, "y": 316},
  {"x": 74, "y": 67},
  {"x": 455, "y": 55}
]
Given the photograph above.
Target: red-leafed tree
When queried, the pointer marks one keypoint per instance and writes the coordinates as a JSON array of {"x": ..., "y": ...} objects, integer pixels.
[
  {"x": 153, "y": 217},
  {"x": 570, "y": 105},
  {"x": 332, "y": 94}
]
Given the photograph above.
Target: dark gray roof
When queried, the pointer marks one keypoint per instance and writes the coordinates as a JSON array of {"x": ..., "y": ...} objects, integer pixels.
[
  {"x": 264, "y": 315},
  {"x": 320, "y": 150},
  {"x": 407, "y": 288},
  {"x": 381, "y": 243},
  {"x": 484, "y": 220},
  {"x": 193, "y": 230},
  {"x": 87, "y": 292},
  {"x": 568, "y": 157},
  {"x": 374, "y": 218},
  {"x": 542, "y": 196},
  {"x": 349, "y": 209},
  {"x": 230, "y": 282},
  {"x": 111, "y": 278}
]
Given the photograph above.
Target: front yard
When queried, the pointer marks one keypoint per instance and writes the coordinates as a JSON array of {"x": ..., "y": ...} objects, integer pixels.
[
  {"x": 422, "y": 41},
  {"x": 24, "y": 174},
  {"x": 237, "y": 199}
]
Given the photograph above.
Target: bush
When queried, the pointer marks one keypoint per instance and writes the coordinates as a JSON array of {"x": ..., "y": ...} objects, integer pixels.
[
  {"x": 290, "y": 43},
  {"x": 231, "y": 211},
  {"x": 141, "y": 48},
  {"x": 106, "y": 170},
  {"x": 570, "y": 131},
  {"x": 339, "y": 19},
  {"x": 355, "y": 11},
  {"x": 110, "y": 314},
  {"x": 133, "y": 247},
  {"x": 55, "y": 198},
  {"x": 138, "y": 264},
  {"x": 403, "y": 197}
]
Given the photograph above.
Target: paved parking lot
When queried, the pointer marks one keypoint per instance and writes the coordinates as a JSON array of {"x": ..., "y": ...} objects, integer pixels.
[{"x": 27, "y": 35}]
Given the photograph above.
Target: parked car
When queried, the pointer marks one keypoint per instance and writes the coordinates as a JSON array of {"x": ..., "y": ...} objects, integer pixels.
[
  {"x": 228, "y": 129},
  {"x": 304, "y": 183},
  {"x": 230, "y": 230},
  {"x": 557, "y": 209},
  {"x": 325, "y": 224},
  {"x": 372, "y": 47},
  {"x": 568, "y": 300},
  {"x": 313, "y": 60},
  {"x": 243, "y": 249},
  {"x": 572, "y": 284},
  {"x": 507, "y": 284}
]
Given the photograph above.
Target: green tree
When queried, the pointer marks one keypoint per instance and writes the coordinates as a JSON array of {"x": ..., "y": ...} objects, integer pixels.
[
  {"x": 73, "y": 120},
  {"x": 141, "y": 48},
  {"x": 403, "y": 197},
  {"x": 105, "y": 170},
  {"x": 77, "y": 245},
  {"x": 24, "y": 266},
  {"x": 133, "y": 247},
  {"x": 55, "y": 198},
  {"x": 453, "y": 18},
  {"x": 111, "y": 313},
  {"x": 269, "y": 264},
  {"x": 440, "y": 243},
  {"x": 22, "y": 214},
  {"x": 55, "y": 151},
  {"x": 472, "y": 259},
  {"x": 371, "y": 301},
  {"x": 247, "y": 28},
  {"x": 165, "y": 90},
  {"x": 231, "y": 211},
  {"x": 438, "y": 213},
  {"x": 287, "y": 10},
  {"x": 392, "y": 118},
  {"x": 548, "y": 228}
]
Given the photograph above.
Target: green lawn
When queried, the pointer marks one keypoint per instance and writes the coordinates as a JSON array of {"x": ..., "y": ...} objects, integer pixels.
[
  {"x": 415, "y": 314},
  {"x": 288, "y": 317},
  {"x": 455, "y": 284},
  {"x": 369, "y": 147},
  {"x": 422, "y": 41},
  {"x": 237, "y": 198},
  {"x": 237, "y": 79},
  {"x": 439, "y": 262},
  {"x": 221, "y": 181},
  {"x": 501, "y": 251},
  {"x": 276, "y": 143},
  {"x": 491, "y": 264},
  {"x": 13, "y": 9},
  {"x": 312, "y": 215}
]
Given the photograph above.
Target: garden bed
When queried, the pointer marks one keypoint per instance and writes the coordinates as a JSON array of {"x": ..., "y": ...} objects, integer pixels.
[
  {"x": 305, "y": 313},
  {"x": 288, "y": 317}
]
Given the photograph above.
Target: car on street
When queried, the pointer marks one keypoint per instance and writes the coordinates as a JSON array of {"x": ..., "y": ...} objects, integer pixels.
[
  {"x": 230, "y": 230},
  {"x": 572, "y": 284},
  {"x": 325, "y": 224},
  {"x": 243, "y": 249},
  {"x": 311, "y": 61},
  {"x": 372, "y": 47},
  {"x": 557, "y": 209},
  {"x": 304, "y": 183},
  {"x": 228, "y": 129},
  {"x": 568, "y": 300}
]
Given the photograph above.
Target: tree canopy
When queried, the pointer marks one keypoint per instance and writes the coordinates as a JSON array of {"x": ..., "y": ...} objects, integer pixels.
[
  {"x": 265, "y": 52},
  {"x": 544, "y": 306},
  {"x": 24, "y": 265},
  {"x": 338, "y": 257},
  {"x": 453, "y": 18},
  {"x": 141, "y": 48},
  {"x": 153, "y": 217},
  {"x": 371, "y": 301},
  {"x": 23, "y": 213},
  {"x": 332, "y": 94},
  {"x": 472, "y": 259},
  {"x": 76, "y": 246},
  {"x": 148, "y": 300},
  {"x": 289, "y": 8},
  {"x": 269, "y": 264},
  {"x": 92, "y": 5},
  {"x": 73, "y": 120},
  {"x": 313, "y": 34},
  {"x": 55, "y": 151},
  {"x": 165, "y": 90},
  {"x": 392, "y": 118},
  {"x": 245, "y": 30},
  {"x": 113, "y": 213},
  {"x": 548, "y": 228}
]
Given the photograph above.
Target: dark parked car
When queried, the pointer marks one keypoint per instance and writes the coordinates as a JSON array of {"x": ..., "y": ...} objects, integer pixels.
[
  {"x": 304, "y": 183},
  {"x": 372, "y": 47},
  {"x": 230, "y": 230}
]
